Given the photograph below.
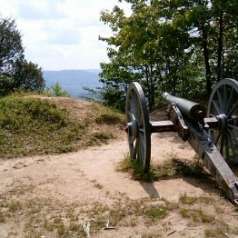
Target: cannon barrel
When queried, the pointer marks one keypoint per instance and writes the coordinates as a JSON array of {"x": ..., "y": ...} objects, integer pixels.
[{"x": 188, "y": 108}]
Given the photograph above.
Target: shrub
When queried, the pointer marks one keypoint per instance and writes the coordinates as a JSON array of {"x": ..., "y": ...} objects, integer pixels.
[
  {"x": 6, "y": 85},
  {"x": 57, "y": 91}
]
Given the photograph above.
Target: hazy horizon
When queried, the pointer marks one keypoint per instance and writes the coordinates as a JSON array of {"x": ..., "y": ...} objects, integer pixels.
[
  {"x": 79, "y": 69},
  {"x": 73, "y": 81}
]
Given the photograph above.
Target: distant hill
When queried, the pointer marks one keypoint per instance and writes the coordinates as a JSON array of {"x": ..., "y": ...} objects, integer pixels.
[{"x": 73, "y": 81}]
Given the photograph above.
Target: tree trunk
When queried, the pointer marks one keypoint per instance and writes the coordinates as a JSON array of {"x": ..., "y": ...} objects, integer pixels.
[
  {"x": 152, "y": 88},
  {"x": 206, "y": 60},
  {"x": 220, "y": 48},
  {"x": 147, "y": 77}
]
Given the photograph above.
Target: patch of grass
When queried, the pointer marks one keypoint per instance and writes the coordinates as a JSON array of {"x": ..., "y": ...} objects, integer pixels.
[
  {"x": 135, "y": 169},
  {"x": 98, "y": 186},
  {"x": 157, "y": 212},
  {"x": 190, "y": 200},
  {"x": 219, "y": 230},
  {"x": 102, "y": 136},
  {"x": 215, "y": 233},
  {"x": 125, "y": 165},
  {"x": 33, "y": 233},
  {"x": 177, "y": 168},
  {"x": 109, "y": 116},
  {"x": 99, "y": 137},
  {"x": 2, "y": 217},
  {"x": 152, "y": 235},
  {"x": 196, "y": 215},
  {"x": 171, "y": 169},
  {"x": 13, "y": 206},
  {"x": 54, "y": 219},
  {"x": 59, "y": 226}
]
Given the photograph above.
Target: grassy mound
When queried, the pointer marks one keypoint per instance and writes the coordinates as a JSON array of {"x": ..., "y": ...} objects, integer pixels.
[{"x": 30, "y": 126}]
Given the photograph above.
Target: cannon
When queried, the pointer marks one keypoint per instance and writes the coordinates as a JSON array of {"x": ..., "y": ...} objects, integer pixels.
[{"x": 212, "y": 133}]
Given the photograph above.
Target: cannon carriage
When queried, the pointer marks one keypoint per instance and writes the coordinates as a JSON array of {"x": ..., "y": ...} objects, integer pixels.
[{"x": 212, "y": 133}]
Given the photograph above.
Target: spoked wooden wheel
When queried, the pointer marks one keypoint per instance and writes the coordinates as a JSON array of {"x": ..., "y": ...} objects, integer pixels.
[
  {"x": 138, "y": 126},
  {"x": 223, "y": 104}
]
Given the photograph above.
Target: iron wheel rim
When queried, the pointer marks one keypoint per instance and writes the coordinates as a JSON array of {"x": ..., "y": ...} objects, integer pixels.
[
  {"x": 139, "y": 134},
  {"x": 223, "y": 104}
]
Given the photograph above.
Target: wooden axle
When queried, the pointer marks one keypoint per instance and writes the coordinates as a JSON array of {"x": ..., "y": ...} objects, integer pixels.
[
  {"x": 162, "y": 126},
  {"x": 169, "y": 126}
]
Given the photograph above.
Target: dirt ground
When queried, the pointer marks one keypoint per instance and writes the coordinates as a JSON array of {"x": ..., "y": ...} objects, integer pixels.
[{"x": 82, "y": 194}]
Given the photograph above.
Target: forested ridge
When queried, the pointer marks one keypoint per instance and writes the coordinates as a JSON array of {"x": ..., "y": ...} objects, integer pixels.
[{"x": 180, "y": 46}]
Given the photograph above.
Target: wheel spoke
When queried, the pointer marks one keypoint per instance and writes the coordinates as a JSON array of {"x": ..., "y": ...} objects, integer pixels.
[
  {"x": 140, "y": 150},
  {"x": 134, "y": 106},
  {"x": 222, "y": 145},
  {"x": 233, "y": 149},
  {"x": 233, "y": 109},
  {"x": 134, "y": 153},
  {"x": 226, "y": 145},
  {"x": 131, "y": 116},
  {"x": 224, "y": 96},
  {"x": 137, "y": 148},
  {"x": 233, "y": 127},
  {"x": 142, "y": 147},
  {"x": 131, "y": 140},
  {"x": 229, "y": 100},
  {"x": 234, "y": 138},
  {"x": 216, "y": 107},
  {"x": 220, "y": 101},
  {"x": 229, "y": 147},
  {"x": 140, "y": 120},
  {"x": 142, "y": 131}
]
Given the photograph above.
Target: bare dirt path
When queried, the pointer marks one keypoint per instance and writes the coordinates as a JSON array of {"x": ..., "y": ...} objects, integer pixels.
[
  {"x": 70, "y": 175},
  {"x": 78, "y": 194}
]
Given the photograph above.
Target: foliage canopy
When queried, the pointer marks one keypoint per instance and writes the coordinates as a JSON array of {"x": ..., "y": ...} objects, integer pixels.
[{"x": 180, "y": 46}]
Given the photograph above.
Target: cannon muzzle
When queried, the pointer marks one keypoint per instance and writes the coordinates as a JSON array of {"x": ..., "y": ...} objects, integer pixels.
[{"x": 188, "y": 108}]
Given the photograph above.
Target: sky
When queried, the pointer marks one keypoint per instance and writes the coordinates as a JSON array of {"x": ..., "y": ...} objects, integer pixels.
[{"x": 61, "y": 34}]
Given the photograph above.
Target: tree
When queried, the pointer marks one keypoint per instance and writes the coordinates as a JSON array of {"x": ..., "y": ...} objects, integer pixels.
[
  {"x": 146, "y": 47},
  {"x": 11, "y": 49},
  {"x": 181, "y": 46},
  {"x": 213, "y": 25},
  {"x": 28, "y": 76},
  {"x": 15, "y": 71}
]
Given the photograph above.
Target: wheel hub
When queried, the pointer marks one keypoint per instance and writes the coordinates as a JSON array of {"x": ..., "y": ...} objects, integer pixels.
[
  {"x": 132, "y": 129},
  {"x": 222, "y": 119}
]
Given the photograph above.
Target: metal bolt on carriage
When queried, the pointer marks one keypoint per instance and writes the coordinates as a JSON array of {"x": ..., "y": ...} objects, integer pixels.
[{"x": 213, "y": 134}]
